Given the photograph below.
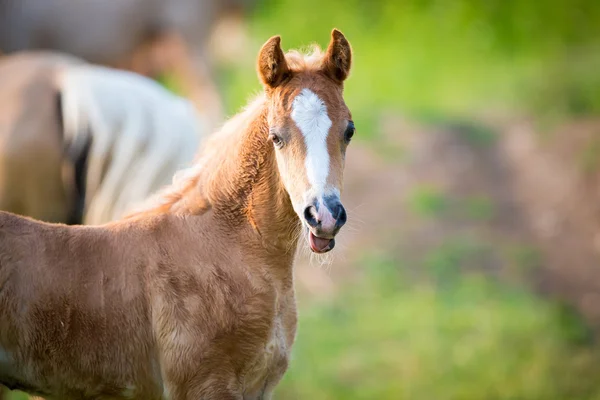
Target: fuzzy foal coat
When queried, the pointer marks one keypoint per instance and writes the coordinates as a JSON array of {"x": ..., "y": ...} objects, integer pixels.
[{"x": 143, "y": 309}]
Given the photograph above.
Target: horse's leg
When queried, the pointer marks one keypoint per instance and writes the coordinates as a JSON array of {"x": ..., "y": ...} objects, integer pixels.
[{"x": 140, "y": 60}]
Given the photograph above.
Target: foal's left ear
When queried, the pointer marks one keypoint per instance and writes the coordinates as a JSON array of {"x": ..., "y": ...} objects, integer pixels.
[
  {"x": 272, "y": 67},
  {"x": 338, "y": 58}
]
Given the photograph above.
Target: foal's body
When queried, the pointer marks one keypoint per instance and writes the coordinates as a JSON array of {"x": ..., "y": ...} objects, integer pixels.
[
  {"x": 192, "y": 298},
  {"x": 133, "y": 321}
]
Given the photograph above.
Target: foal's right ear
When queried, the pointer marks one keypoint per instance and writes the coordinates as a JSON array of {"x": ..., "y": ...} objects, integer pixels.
[
  {"x": 338, "y": 58},
  {"x": 272, "y": 67}
]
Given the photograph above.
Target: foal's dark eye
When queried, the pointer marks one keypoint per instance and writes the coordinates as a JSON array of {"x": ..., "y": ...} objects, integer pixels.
[
  {"x": 276, "y": 139},
  {"x": 349, "y": 131}
]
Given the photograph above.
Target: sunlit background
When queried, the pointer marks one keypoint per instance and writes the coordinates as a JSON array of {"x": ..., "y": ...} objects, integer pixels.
[{"x": 469, "y": 268}]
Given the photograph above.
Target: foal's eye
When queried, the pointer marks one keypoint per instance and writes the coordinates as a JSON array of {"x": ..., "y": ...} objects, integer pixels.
[
  {"x": 349, "y": 131},
  {"x": 276, "y": 139}
]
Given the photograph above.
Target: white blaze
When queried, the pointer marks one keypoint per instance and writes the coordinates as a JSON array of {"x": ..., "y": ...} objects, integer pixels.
[{"x": 310, "y": 115}]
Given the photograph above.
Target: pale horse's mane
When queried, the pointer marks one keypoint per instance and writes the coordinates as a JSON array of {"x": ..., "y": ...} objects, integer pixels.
[
  {"x": 186, "y": 179},
  {"x": 139, "y": 135}
]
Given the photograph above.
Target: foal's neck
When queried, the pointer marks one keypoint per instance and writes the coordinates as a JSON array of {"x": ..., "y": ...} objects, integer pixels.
[{"x": 241, "y": 184}]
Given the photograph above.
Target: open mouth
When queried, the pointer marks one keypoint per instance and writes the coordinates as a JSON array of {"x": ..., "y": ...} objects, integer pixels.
[{"x": 320, "y": 245}]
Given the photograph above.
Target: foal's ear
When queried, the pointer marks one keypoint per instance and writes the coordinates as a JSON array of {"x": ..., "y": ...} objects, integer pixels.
[
  {"x": 272, "y": 67},
  {"x": 338, "y": 58}
]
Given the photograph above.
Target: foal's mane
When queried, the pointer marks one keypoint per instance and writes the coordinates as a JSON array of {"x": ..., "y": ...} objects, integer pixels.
[
  {"x": 186, "y": 180},
  {"x": 215, "y": 148}
]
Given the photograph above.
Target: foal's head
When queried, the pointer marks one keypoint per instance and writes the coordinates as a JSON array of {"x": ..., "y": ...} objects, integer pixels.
[{"x": 310, "y": 127}]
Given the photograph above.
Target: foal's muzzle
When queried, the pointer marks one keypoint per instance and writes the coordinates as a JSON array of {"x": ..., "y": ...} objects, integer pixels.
[{"x": 324, "y": 217}]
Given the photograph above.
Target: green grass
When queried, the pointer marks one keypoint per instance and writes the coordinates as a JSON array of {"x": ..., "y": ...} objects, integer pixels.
[
  {"x": 427, "y": 201},
  {"x": 17, "y": 396},
  {"x": 384, "y": 338},
  {"x": 479, "y": 208},
  {"x": 589, "y": 159}
]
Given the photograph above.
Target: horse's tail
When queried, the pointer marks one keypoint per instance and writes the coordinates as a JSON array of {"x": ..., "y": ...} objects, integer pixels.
[{"x": 77, "y": 140}]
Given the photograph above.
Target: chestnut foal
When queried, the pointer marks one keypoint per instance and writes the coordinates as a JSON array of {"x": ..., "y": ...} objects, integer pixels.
[{"x": 192, "y": 298}]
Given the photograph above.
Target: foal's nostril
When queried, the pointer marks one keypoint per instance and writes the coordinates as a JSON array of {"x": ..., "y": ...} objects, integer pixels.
[
  {"x": 340, "y": 215},
  {"x": 338, "y": 209},
  {"x": 310, "y": 215}
]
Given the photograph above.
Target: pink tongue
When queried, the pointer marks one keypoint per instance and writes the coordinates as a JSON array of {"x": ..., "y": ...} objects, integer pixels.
[{"x": 319, "y": 244}]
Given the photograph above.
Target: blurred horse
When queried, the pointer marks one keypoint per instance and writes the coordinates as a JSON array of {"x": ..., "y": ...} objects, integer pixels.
[
  {"x": 84, "y": 144},
  {"x": 150, "y": 37}
]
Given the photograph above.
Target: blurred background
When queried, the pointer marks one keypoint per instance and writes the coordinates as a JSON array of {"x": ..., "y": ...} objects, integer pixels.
[{"x": 470, "y": 265}]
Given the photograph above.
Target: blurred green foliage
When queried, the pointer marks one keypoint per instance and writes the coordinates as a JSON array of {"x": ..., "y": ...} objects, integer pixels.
[
  {"x": 590, "y": 156},
  {"x": 427, "y": 201},
  {"x": 479, "y": 208},
  {"x": 17, "y": 396},
  {"x": 384, "y": 338},
  {"x": 445, "y": 57}
]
